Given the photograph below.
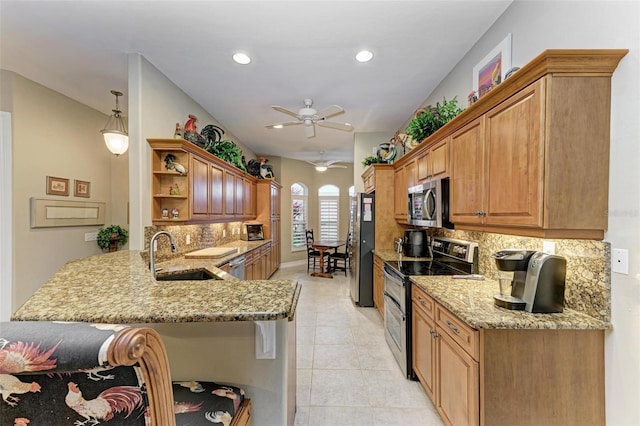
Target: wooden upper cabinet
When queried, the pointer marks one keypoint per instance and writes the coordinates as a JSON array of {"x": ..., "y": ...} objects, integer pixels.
[
  {"x": 466, "y": 187},
  {"x": 216, "y": 201},
  {"x": 401, "y": 200},
  {"x": 200, "y": 188},
  {"x": 210, "y": 191},
  {"x": 424, "y": 168},
  {"x": 369, "y": 179},
  {"x": 439, "y": 159},
  {"x": 514, "y": 153}
]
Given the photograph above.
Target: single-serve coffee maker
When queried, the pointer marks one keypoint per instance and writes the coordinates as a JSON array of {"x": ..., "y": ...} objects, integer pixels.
[{"x": 538, "y": 281}]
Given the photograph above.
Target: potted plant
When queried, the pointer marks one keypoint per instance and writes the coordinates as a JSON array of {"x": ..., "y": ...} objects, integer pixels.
[
  {"x": 112, "y": 237},
  {"x": 372, "y": 159},
  {"x": 431, "y": 118},
  {"x": 228, "y": 151}
]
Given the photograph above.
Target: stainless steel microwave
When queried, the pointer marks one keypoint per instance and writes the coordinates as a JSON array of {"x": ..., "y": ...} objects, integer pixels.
[{"x": 429, "y": 204}]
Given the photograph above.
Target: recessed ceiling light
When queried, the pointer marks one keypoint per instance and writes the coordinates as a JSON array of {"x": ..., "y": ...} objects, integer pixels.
[
  {"x": 364, "y": 56},
  {"x": 277, "y": 126},
  {"x": 241, "y": 58}
]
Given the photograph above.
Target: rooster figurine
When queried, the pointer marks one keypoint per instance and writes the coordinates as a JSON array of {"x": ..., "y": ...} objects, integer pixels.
[
  {"x": 266, "y": 171},
  {"x": 171, "y": 165},
  {"x": 106, "y": 405}
]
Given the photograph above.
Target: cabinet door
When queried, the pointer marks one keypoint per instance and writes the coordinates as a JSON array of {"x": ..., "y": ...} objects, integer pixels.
[
  {"x": 458, "y": 386},
  {"x": 514, "y": 156},
  {"x": 216, "y": 191},
  {"x": 239, "y": 211},
  {"x": 439, "y": 159},
  {"x": 401, "y": 200},
  {"x": 424, "y": 169},
  {"x": 378, "y": 284},
  {"x": 249, "y": 199},
  {"x": 466, "y": 188},
  {"x": 424, "y": 350},
  {"x": 229, "y": 194},
  {"x": 200, "y": 189},
  {"x": 411, "y": 174}
]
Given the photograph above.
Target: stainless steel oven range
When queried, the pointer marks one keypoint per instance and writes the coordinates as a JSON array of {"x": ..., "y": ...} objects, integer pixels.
[{"x": 450, "y": 257}]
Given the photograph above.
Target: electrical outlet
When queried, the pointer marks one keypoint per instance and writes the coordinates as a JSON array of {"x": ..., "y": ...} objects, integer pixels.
[
  {"x": 188, "y": 239},
  {"x": 620, "y": 261},
  {"x": 91, "y": 236},
  {"x": 374, "y": 150},
  {"x": 549, "y": 247},
  {"x": 224, "y": 233}
]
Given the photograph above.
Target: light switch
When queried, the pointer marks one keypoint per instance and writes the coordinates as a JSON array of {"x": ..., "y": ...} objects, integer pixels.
[
  {"x": 188, "y": 239},
  {"x": 620, "y": 261}
]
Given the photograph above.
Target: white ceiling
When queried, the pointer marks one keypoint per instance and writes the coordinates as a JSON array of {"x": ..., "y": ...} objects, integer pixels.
[{"x": 299, "y": 49}]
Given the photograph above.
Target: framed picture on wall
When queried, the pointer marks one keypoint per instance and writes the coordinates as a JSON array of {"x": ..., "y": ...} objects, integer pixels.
[
  {"x": 491, "y": 70},
  {"x": 82, "y": 188},
  {"x": 57, "y": 186}
]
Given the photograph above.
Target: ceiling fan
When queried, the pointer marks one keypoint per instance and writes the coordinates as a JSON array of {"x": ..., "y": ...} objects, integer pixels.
[
  {"x": 322, "y": 165},
  {"x": 310, "y": 117}
]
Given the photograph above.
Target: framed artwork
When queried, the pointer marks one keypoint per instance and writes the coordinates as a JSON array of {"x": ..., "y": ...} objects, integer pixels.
[
  {"x": 491, "y": 70},
  {"x": 57, "y": 186},
  {"x": 82, "y": 188}
]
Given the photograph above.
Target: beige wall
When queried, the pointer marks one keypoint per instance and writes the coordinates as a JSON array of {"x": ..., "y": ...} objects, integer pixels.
[
  {"x": 302, "y": 172},
  {"x": 363, "y": 146},
  {"x": 52, "y": 136},
  {"x": 156, "y": 104}
]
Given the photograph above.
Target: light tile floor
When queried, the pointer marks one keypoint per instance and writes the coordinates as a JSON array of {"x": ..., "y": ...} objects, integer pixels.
[{"x": 347, "y": 375}]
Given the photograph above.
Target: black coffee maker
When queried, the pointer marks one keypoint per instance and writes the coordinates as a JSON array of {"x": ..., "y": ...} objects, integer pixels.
[
  {"x": 538, "y": 280},
  {"x": 416, "y": 243}
]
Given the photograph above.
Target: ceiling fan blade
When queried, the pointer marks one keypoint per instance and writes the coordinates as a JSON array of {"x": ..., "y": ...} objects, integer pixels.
[
  {"x": 336, "y": 167},
  {"x": 310, "y": 131},
  {"x": 285, "y": 111},
  {"x": 330, "y": 111},
  {"x": 338, "y": 126},
  {"x": 283, "y": 124},
  {"x": 313, "y": 164}
]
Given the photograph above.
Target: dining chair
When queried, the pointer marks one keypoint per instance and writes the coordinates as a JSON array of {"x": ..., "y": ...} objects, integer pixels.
[
  {"x": 312, "y": 254},
  {"x": 342, "y": 260}
]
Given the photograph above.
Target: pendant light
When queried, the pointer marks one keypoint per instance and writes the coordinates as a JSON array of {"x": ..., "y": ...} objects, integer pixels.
[{"x": 115, "y": 131}]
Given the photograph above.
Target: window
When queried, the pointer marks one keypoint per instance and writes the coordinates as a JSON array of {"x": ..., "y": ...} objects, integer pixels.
[
  {"x": 329, "y": 213},
  {"x": 298, "y": 216}
]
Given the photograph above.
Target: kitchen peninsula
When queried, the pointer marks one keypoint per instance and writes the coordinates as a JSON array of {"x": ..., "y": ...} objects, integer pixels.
[{"x": 210, "y": 328}]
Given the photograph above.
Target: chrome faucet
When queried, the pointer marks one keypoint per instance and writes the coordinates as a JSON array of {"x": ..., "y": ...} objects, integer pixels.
[{"x": 152, "y": 262}]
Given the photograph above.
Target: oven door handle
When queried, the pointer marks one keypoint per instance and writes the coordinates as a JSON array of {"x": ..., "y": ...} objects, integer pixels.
[
  {"x": 393, "y": 275},
  {"x": 387, "y": 296}
]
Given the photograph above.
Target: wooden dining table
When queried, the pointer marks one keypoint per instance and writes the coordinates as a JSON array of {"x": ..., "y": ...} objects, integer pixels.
[{"x": 322, "y": 246}]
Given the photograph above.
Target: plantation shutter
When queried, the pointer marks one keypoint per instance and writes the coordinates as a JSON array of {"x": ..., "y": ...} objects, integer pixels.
[
  {"x": 328, "y": 218},
  {"x": 299, "y": 224}
]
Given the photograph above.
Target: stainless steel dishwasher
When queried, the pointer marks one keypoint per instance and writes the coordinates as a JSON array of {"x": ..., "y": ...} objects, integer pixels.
[{"x": 236, "y": 267}]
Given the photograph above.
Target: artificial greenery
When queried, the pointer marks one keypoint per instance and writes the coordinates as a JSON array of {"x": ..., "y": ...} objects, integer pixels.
[
  {"x": 104, "y": 236},
  {"x": 372, "y": 159},
  {"x": 426, "y": 123},
  {"x": 227, "y": 151}
]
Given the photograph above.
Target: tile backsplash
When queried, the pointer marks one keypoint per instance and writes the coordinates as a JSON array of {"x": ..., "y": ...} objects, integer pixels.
[
  {"x": 588, "y": 281},
  {"x": 200, "y": 236}
]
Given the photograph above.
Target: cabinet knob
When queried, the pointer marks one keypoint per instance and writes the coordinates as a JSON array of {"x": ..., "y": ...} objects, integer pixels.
[{"x": 433, "y": 334}]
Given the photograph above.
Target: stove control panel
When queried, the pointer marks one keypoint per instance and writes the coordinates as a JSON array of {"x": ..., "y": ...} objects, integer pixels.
[{"x": 466, "y": 251}]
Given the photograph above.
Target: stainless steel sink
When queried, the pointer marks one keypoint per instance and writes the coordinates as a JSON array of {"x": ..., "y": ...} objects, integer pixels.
[{"x": 197, "y": 275}]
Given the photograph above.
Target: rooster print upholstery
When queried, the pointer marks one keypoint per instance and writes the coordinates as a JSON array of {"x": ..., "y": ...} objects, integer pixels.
[
  {"x": 205, "y": 403},
  {"x": 48, "y": 380}
]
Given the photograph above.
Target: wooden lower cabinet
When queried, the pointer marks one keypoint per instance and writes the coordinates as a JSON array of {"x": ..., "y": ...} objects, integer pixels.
[
  {"x": 458, "y": 382},
  {"x": 495, "y": 377},
  {"x": 378, "y": 284}
]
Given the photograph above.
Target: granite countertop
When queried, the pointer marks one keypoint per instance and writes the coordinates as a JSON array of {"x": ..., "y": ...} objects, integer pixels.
[
  {"x": 118, "y": 288},
  {"x": 472, "y": 302}
]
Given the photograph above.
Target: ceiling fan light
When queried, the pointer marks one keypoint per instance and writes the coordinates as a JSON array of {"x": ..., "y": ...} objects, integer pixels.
[
  {"x": 278, "y": 126},
  {"x": 364, "y": 56},
  {"x": 241, "y": 58},
  {"x": 321, "y": 168}
]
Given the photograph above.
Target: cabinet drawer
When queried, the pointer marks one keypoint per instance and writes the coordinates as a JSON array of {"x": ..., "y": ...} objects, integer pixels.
[
  {"x": 467, "y": 337},
  {"x": 424, "y": 302}
]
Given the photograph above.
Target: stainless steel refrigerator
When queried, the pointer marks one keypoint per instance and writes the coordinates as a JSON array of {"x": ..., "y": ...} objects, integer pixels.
[{"x": 363, "y": 225}]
